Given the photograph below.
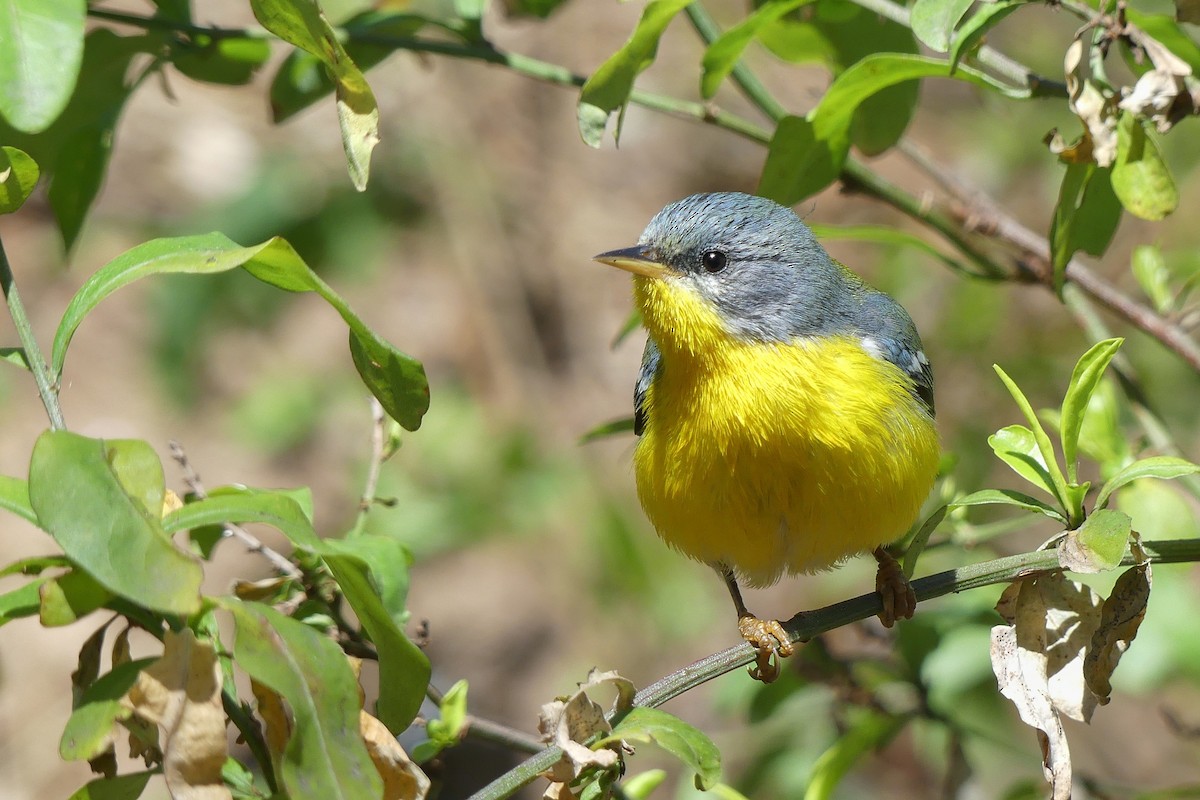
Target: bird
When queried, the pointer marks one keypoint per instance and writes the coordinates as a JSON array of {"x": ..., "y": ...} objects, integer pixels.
[{"x": 784, "y": 407}]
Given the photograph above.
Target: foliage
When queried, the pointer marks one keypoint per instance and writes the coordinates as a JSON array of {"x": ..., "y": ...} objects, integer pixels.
[{"x": 1128, "y": 81}]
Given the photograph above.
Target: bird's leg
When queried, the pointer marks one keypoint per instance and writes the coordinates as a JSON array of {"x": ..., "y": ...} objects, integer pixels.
[
  {"x": 899, "y": 600},
  {"x": 766, "y": 636}
]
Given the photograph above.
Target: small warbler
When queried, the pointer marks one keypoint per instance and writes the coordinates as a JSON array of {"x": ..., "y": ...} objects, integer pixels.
[{"x": 785, "y": 407}]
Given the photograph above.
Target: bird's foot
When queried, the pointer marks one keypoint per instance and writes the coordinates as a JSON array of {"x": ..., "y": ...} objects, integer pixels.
[
  {"x": 899, "y": 599},
  {"x": 772, "y": 642}
]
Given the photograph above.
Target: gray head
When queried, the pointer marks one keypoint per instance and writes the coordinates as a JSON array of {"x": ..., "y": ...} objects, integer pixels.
[{"x": 754, "y": 261}]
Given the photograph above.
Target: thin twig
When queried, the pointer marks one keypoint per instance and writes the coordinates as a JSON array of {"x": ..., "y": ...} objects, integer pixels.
[
  {"x": 46, "y": 387},
  {"x": 374, "y": 466},
  {"x": 192, "y": 480},
  {"x": 490, "y": 730},
  {"x": 807, "y": 624}
]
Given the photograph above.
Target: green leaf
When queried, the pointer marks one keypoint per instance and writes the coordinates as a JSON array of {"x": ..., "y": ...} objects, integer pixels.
[
  {"x": 798, "y": 165},
  {"x": 1150, "y": 270},
  {"x": 325, "y": 758},
  {"x": 642, "y": 785},
  {"x": 24, "y": 601},
  {"x": 1016, "y": 446},
  {"x": 917, "y": 545},
  {"x": 933, "y": 21},
  {"x": 230, "y": 62},
  {"x": 88, "y": 731},
  {"x": 15, "y": 356},
  {"x": 302, "y": 78},
  {"x": 91, "y": 496},
  {"x": 686, "y": 743},
  {"x": 971, "y": 34},
  {"x": 606, "y": 429},
  {"x": 1044, "y": 447},
  {"x": 1162, "y": 467},
  {"x": 40, "y": 59},
  {"x": 1009, "y": 498},
  {"x": 1085, "y": 217},
  {"x": 722, "y": 55},
  {"x": 1098, "y": 544},
  {"x": 14, "y": 497},
  {"x": 397, "y": 380},
  {"x": 609, "y": 86},
  {"x": 807, "y": 155},
  {"x": 70, "y": 597},
  {"x": 453, "y": 715},
  {"x": 1087, "y": 374},
  {"x": 123, "y": 787},
  {"x": 872, "y": 730},
  {"x": 371, "y": 571},
  {"x": 301, "y": 23},
  {"x": 18, "y": 175},
  {"x": 1140, "y": 177}
]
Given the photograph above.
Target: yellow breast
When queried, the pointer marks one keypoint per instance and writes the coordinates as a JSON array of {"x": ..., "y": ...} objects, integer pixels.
[{"x": 775, "y": 457}]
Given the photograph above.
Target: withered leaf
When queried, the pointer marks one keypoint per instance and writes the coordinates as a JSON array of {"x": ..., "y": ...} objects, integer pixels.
[
  {"x": 569, "y": 722},
  {"x": 181, "y": 694},
  {"x": 1120, "y": 618},
  {"x": 402, "y": 779}
]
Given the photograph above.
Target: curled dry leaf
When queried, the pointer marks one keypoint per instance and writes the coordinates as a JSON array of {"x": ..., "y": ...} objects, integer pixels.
[
  {"x": 569, "y": 722},
  {"x": 1096, "y": 109},
  {"x": 402, "y": 779},
  {"x": 1120, "y": 618},
  {"x": 277, "y": 723},
  {"x": 181, "y": 694}
]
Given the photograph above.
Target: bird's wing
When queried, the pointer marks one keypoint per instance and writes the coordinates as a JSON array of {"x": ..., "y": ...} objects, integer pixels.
[
  {"x": 651, "y": 358},
  {"x": 891, "y": 335}
]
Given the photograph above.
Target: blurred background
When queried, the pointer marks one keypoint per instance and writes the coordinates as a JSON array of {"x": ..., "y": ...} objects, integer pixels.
[{"x": 471, "y": 250}]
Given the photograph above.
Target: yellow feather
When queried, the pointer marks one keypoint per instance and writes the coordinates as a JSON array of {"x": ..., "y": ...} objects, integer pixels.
[{"x": 774, "y": 457}]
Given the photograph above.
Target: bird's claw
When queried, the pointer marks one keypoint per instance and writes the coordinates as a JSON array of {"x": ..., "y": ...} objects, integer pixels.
[
  {"x": 771, "y": 642},
  {"x": 899, "y": 599}
]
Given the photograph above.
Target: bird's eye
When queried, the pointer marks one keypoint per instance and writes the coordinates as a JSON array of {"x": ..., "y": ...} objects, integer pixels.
[{"x": 713, "y": 261}]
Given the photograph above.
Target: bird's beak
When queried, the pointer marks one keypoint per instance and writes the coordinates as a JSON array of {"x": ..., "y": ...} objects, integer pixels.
[{"x": 640, "y": 260}]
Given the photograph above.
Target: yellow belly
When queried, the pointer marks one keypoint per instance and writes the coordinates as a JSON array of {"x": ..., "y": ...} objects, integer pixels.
[{"x": 773, "y": 458}]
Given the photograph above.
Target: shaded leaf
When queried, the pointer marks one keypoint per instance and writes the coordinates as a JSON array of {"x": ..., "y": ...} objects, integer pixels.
[
  {"x": 397, "y": 380},
  {"x": 24, "y": 601},
  {"x": 878, "y": 234},
  {"x": 90, "y": 729},
  {"x": 18, "y": 176},
  {"x": 1120, "y": 618},
  {"x": 14, "y": 497},
  {"x": 870, "y": 731},
  {"x": 325, "y": 757},
  {"x": 606, "y": 429},
  {"x": 231, "y": 62},
  {"x": 124, "y": 787},
  {"x": 608, "y": 88},
  {"x": 1084, "y": 379},
  {"x": 1098, "y": 544},
  {"x": 15, "y": 356},
  {"x": 1044, "y": 447},
  {"x": 1150, "y": 270},
  {"x": 40, "y": 61},
  {"x": 1085, "y": 217},
  {"x": 1162, "y": 467},
  {"x": 916, "y": 545},
  {"x": 1140, "y": 177},
  {"x": 69, "y": 597},
  {"x": 89, "y": 494}
]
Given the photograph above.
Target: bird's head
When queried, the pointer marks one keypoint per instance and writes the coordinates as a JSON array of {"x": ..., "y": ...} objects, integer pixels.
[{"x": 735, "y": 265}]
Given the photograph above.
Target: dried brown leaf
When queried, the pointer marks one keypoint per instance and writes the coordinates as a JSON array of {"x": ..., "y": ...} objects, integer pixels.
[
  {"x": 402, "y": 779},
  {"x": 1095, "y": 108},
  {"x": 181, "y": 694},
  {"x": 570, "y": 721},
  {"x": 1120, "y": 618}
]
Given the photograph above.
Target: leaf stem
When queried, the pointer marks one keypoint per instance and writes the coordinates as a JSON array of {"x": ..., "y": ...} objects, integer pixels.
[
  {"x": 807, "y": 624},
  {"x": 33, "y": 354}
]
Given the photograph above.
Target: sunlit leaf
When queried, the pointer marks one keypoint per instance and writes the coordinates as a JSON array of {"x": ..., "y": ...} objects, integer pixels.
[
  {"x": 1086, "y": 375},
  {"x": 397, "y": 380},
  {"x": 933, "y": 21},
  {"x": 18, "y": 176},
  {"x": 970, "y": 33},
  {"x": 1098, "y": 544},
  {"x": 1150, "y": 270},
  {"x": 870, "y": 731},
  {"x": 1010, "y": 498},
  {"x": 1162, "y": 467},
  {"x": 90, "y": 495},
  {"x": 685, "y": 742},
  {"x": 722, "y": 55},
  {"x": 40, "y": 59},
  {"x": 1140, "y": 177}
]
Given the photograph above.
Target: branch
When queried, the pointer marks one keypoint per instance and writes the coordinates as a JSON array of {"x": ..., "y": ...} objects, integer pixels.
[
  {"x": 33, "y": 354},
  {"x": 807, "y": 624}
]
